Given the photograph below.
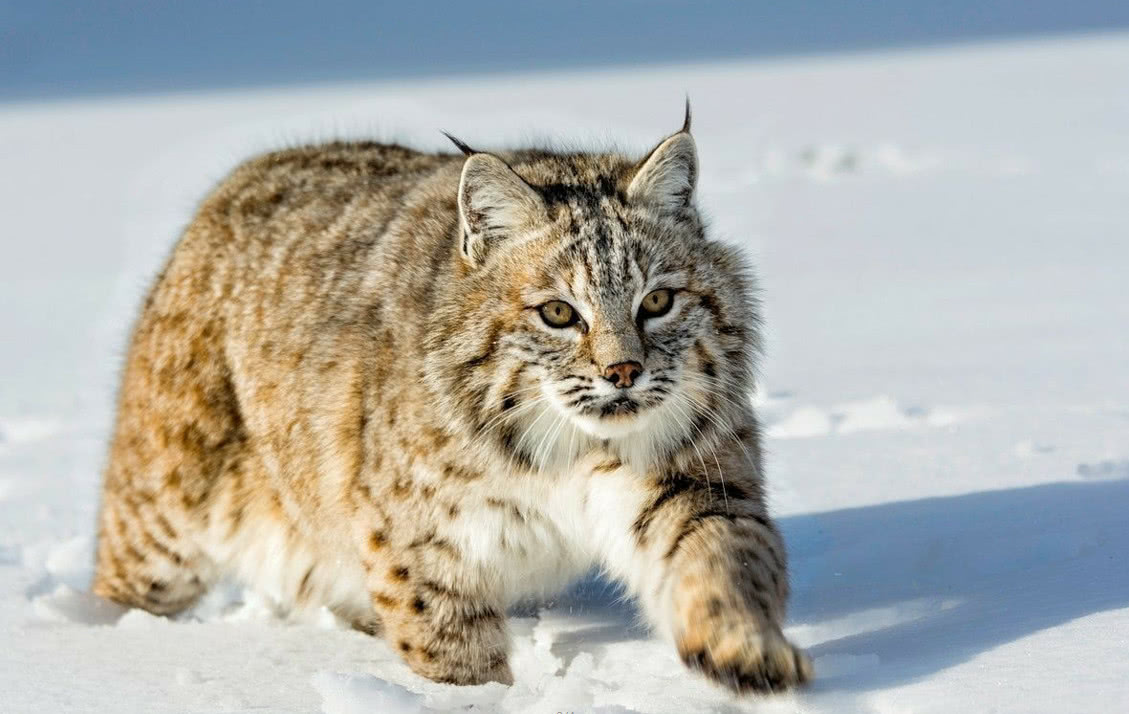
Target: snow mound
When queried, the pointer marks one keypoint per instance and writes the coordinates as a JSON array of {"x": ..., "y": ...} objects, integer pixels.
[
  {"x": 364, "y": 694},
  {"x": 72, "y": 561}
]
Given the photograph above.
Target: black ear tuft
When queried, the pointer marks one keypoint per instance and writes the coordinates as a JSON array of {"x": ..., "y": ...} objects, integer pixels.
[
  {"x": 461, "y": 145},
  {"x": 686, "y": 122}
]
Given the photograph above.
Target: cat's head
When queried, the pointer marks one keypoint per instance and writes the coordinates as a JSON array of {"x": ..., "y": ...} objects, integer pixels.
[{"x": 592, "y": 308}]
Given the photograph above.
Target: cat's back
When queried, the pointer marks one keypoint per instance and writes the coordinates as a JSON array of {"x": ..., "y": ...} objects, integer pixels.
[
  {"x": 294, "y": 261},
  {"x": 292, "y": 195},
  {"x": 291, "y": 235}
]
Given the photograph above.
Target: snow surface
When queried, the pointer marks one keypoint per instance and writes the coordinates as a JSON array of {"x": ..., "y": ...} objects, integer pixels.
[{"x": 942, "y": 237}]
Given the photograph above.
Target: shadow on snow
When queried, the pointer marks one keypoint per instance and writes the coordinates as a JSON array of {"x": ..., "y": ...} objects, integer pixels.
[{"x": 928, "y": 584}]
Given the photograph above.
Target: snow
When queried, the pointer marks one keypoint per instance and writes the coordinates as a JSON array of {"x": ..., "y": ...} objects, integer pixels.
[
  {"x": 350, "y": 694},
  {"x": 941, "y": 237}
]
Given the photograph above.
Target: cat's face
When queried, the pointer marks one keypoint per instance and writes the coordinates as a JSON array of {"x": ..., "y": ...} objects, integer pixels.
[
  {"x": 611, "y": 318},
  {"x": 616, "y": 331}
]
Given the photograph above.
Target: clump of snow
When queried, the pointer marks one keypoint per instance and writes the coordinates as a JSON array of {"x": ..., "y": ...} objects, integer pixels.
[
  {"x": 364, "y": 694},
  {"x": 142, "y": 620},
  {"x": 72, "y": 561}
]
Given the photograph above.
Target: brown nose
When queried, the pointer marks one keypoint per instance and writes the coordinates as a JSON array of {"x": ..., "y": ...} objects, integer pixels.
[{"x": 623, "y": 374}]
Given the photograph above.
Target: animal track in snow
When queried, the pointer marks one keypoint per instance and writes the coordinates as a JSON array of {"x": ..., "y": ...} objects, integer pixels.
[
  {"x": 10, "y": 555},
  {"x": 21, "y": 430},
  {"x": 831, "y": 162},
  {"x": 1027, "y": 449},
  {"x": 879, "y": 413},
  {"x": 1105, "y": 469}
]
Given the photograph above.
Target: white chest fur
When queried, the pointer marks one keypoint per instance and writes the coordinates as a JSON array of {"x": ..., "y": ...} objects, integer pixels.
[{"x": 541, "y": 536}]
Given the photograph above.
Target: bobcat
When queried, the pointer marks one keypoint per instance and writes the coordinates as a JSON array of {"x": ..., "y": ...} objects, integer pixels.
[{"x": 416, "y": 387}]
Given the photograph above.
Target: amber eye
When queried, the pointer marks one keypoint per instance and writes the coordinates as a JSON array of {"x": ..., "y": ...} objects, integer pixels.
[
  {"x": 557, "y": 313},
  {"x": 656, "y": 304}
]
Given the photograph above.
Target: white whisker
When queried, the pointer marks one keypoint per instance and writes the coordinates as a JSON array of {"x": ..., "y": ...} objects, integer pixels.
[
  {"x": 523, "y": 407},
  {"x": 724, "y": 427},
  {"x": 690, "y": 420},
  {"x": 529, "y": 427},
  {"x": 539, "y": 452}
]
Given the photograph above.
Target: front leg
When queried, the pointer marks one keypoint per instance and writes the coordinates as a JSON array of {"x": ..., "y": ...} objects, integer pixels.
[
  {"x": 436, "y": 611},
  {"x": 710, "y": 570},
  {"x": 448, "y": 635}
]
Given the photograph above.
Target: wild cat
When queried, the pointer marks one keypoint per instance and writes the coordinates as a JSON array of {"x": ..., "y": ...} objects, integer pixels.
[{"x": 417, "y": 387}]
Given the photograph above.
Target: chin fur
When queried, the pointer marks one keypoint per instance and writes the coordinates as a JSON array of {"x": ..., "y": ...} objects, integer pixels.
[
  {"x": 555, "y": 438},
  {"x": 612, "y": 427}
]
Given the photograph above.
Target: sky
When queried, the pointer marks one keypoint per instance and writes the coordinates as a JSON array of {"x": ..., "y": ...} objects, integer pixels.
[{"x": 66, "y": 48}]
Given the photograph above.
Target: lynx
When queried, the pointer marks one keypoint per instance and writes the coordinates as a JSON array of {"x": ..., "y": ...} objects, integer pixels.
[{"x": 414, "y": 388}]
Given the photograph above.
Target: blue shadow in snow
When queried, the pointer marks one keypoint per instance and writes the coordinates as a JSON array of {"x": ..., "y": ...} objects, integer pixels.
[
  {"x": 958, "y": 575},
  {"x": 989, "y": 567}
]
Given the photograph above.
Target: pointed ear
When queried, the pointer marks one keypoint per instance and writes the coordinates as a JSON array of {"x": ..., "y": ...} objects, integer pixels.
[
  {"x": 494, "y": 204},
  {"x": 666, "y": 178}
]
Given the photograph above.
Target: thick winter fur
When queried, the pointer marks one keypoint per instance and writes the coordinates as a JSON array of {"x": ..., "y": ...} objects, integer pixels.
[{"x": 342, "y": 392}]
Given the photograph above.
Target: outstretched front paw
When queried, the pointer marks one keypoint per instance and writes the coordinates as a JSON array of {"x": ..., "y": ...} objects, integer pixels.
[{"x": 744, "y": 655}]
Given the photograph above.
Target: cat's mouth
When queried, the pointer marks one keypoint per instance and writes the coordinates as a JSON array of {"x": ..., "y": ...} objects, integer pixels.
[
  {"x": 613, "y": 418},
  {"x": 613, "y": 415},
  {"x": 618, "y": 408}
]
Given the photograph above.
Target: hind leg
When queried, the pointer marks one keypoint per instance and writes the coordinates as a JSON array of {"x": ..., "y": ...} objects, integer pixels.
[
  {"x": 144, "y": 561},
  {"x": 153, "y": 518},
  {"x": 177, "y": 439}
]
